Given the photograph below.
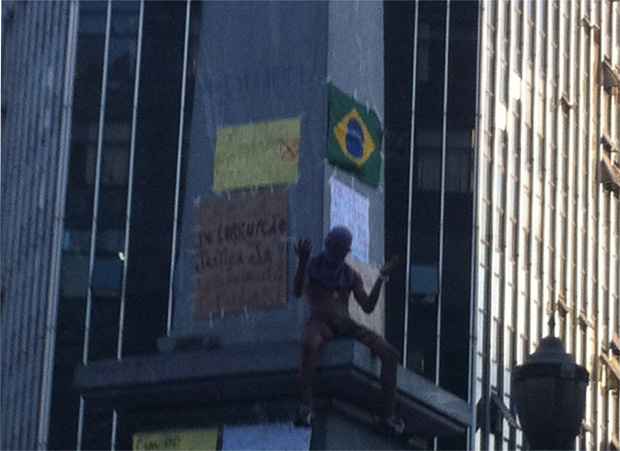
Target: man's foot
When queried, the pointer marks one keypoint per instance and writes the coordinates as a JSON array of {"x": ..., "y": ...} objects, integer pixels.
[
  {"x": 303, "y": 418},
  {"x": 392, "y": 425}
]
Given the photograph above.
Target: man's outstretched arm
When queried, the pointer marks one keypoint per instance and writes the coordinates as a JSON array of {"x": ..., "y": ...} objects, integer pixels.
[
  {"x": 302, "y": 249},
  {"x": 368, "y": 302}
]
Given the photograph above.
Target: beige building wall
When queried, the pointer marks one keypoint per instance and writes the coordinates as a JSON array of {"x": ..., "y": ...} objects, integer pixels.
[{"x": 547, "y": 231}]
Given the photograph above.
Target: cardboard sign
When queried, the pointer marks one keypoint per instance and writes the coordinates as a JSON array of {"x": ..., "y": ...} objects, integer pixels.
[{"x": 241, "y": 255}]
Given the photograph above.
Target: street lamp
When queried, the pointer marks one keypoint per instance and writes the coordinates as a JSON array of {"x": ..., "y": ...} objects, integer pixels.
[{"x": 549, "y": 391}]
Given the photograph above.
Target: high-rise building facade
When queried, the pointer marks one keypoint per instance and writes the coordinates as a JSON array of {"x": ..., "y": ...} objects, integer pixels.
[
  {"x": 547, "y": 226},
  {"x": 503, "y": 142},
  {"x": 137, "y": 135}
]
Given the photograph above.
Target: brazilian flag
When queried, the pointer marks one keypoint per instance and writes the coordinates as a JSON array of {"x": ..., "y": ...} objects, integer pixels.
[{"x": 354, "y": 141}]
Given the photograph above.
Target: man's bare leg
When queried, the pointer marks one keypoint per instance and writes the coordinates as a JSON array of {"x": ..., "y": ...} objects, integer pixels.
[
  {"x": 316, "y": 334},
  {"x": 389, "y": 364}
]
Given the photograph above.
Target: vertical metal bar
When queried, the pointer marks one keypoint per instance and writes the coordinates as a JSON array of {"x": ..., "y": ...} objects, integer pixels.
[
  {"x": 410, "y": 201},
  {"x": 93, "y": 235},
  {"x": 442, "y": 201},
  {"x": 596, "y": 204},
  {"x": 473, "y": 294},
  {"x": 132, "y": 149},
  {"x": 442, "y": 205},
  {"x": 574, "y": 146},
  {"x": 488, "y": 287},
  {"x": 574, "y": 140},
  {"x": 178, "y": 173},
  {"x": 586, "y": 212},
  {"x": 59, "y": 208},
  {"x": 97, "y": 181},
  {"x": 114, "y": 430},
  {"x": 614, "y": 265}
]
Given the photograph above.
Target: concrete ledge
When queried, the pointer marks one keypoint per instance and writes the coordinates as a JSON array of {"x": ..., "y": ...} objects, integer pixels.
[{"x": 267, "y": 371}]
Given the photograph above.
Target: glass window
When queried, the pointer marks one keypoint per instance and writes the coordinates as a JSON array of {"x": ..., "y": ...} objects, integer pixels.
[
  {"x": 113, "y": 181},
  {"x": 155, "y": 164},
  {"x": 398, "y": 22},
  {"x": 98, "y": 188},
  {"x": 504, "y": 84},
  {"x": 65, "y": 400},
  {"x": 426, "y": 203}
]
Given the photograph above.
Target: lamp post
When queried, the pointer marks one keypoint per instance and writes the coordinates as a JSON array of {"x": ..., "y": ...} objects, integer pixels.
[{"x": 549, "y": 391}]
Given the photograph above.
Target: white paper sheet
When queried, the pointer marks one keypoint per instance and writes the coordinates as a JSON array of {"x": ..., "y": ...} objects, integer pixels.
[{"x": 350, "y": 208}]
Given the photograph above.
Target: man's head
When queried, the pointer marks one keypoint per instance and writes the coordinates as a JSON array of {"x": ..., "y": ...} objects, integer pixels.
[{"x": 338, "y": 243}]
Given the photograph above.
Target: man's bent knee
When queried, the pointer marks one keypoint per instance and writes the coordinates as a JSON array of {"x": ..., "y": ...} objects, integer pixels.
[{"x": 387, "y": 352}]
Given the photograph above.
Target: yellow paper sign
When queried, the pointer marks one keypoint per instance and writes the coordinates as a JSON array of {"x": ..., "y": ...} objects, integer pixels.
[
  {"x": 257, "y": 154},
  {"x": 189, "y": 439}
]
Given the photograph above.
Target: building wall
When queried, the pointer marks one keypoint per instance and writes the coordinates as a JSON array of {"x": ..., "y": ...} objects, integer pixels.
[
  {"x": 547, "y": 231},
  {"x": 34, "y": 137}
]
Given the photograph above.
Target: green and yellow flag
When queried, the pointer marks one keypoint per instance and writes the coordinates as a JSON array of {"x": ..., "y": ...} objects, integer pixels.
[{"x": 354, "y": 141}]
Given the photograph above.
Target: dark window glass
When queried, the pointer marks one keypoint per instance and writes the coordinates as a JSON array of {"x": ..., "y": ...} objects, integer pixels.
[
  {"x": 154, "y": 178},
  {"x": 527, "y": 257},
  {"x": 113, "y": 180},
  {"x": 423, "y": 321},
  {"x": 529, "y": 135},
  {"x": 97, "y": 431},
  {"x": 112, "y": 183},
  {"x": 519, "y": 37},
  {"x": 398, "y": 22},
  {"x": 78, "y": 224},
  {"x": 458, "y": 207},
  {"x": 505, "y": 84}
]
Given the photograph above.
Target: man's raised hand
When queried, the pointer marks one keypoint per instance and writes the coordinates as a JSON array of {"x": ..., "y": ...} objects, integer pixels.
[
  {"x": 303, "y": 249},
  {"x": 387, "y": 268}
]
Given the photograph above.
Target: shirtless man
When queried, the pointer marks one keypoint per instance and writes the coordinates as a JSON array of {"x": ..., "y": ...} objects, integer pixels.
[{"x": 330, "y": 282}]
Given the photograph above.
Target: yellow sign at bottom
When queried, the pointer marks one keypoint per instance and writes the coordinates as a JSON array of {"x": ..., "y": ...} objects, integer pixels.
[{"x": 188, "y": 439}]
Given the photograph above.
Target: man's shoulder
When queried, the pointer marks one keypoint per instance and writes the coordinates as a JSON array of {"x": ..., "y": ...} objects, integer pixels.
[{"x": 354, "y": 272}]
